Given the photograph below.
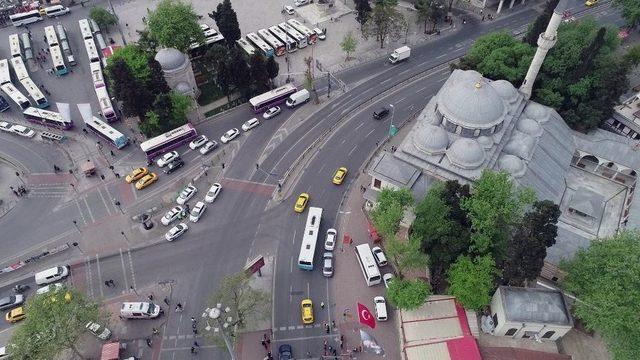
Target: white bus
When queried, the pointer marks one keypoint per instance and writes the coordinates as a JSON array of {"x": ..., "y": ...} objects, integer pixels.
[
  {"x": 85, "y": 29},
  {"x": 64, "y": 44},
  {"x": 299, "y": 38},
  {"x": 257, "y": 42},
  {"x": 26, "y": 44},
  {"x": 20, "y": 19},
  {"x": 14, "y": 46},
  {"x": 50, "y": 34},
  {"x": 19, "y": 68},
  {"x": 96, "y": 74},
  {"x": 312, "y": 37},
  {"x": 368, "y": 265},
  {"x": 35, "y": 93},
  {"x": 289, "y": 42},
  {"x": 309, "y": 238},
  {"x": 106, "y": 132},
  {"x": 47, "y": 118},
  {"x": 5, "y": 75},
  {"x": 58, "y": 61},
  {"x": 92, "y": 52},
  {"x": 246, "y": 47},
  {"x": 168, "y": 141},
  {"x": 15, "y": 95},
  {"x": 280, "y": 48},
  {"x": 106, "y": 108}
]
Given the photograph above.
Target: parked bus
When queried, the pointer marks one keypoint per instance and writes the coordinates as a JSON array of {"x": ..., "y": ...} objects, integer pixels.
[
  {"x": 106, "y": 132},
  {"x": 35, "y": 93},
  {"x": 168, "y": 141},
  {"x": 26, "y": 44},
  {"x": 14, "y": 46},
  {"x": 271, "y": 98},
  {"x": 312, "y": 37},
  {"x": 25, "y": 18},
  {"x": 47, "y": 118},
  {"x": 309, "y": 239},
  {"x": 5, "y": 75},
  {"x": 15, "y": 95},
  {"x": 58, "y": 61},
  {"x": 246, "y": 47},
  {"x": 64, "y": 44},
  {"x": 289, "y": 42},
  {"x": 19, "y": 68},
  {"x": 85, "y": 29},
  {"x": 299, "y": 38},
  {"x": 279, "y": 47},
  {"x": 96, "y": 74},
  {"x": 106, "y": 108},
  {"x": 50, "y": 34},
  {"x": 258, "y": 43},
  {"x": 92, "y": 52},
  {"x": 368, "y": 265}
]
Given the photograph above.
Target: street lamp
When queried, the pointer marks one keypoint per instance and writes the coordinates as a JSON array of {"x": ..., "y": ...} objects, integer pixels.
[{"x": 215, "y": 313}]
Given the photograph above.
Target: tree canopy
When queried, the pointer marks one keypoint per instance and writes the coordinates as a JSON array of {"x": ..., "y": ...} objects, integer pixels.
[
  {"x": 137, "y": 61},
  {"x": 408, "y": 294},
  {"x": 390, "y": 209},
  {"x": 348, "y": 44},
  {"x": 227, "y": 22},
  {"x": 540, "y": 24},
  {"x": 363, "y": 9},
  {"x": 471, "y": 281},
  {"x": 384, "y": 21},
  {"x": 405, "y": 254},
  {"x": 235, "y": 291},
  {"x": 103, "y": 17},
  {"x": 175, "y": 25},
  {"x": 630, "y": 11}
]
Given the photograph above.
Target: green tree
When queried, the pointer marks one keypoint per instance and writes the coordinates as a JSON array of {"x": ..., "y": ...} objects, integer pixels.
[
  {"x": 156, "y": 84},
  {"x": 385, "y": 22},
  {"x": 163, "y": 107},
  {"x": 175, "y": 25},
  {"x": 146, "y": 42},
  {"x": 494, "y": 207},
  {"x": 216, "y": 55},
  {"x": 136, "y": 59},
  {"x": 258, "y": 74},
  {"x": 272, "y": 69},
  {"x": 630, "y": 11},
  {"x": 55, "y": 322},
  {"x": 227, "y": 22},
  {"x": 605, "y": 277},
  {"x": 103, "y": 17},
  {"x": 540, "y": 24},
  {"x": 151, "y": 126},
  {"x": 246, "y": 303},
  {"x": 527, "y": 248},
  {"x": 224, "y": 79},
  {"x": 363, "y": 10},
  {"x": 239, "y": 70},
  {"x": 423, "y": 12},
  {"x": 309, "y": 84},
  {"x": 389, "y": 210},
  {"x": 136, "y": 100},
  {"x": 434, "y": 12},
  {"x": 408, "y": 294},
  {"x": 471, "y": 281},
  {"x": 405, "y": 255},
  {"x": 349, "y": 44},
  {"x": 180, "y": 107}
]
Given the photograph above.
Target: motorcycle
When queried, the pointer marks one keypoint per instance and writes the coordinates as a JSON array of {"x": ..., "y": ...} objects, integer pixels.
[{"x": 20, "y": 288}]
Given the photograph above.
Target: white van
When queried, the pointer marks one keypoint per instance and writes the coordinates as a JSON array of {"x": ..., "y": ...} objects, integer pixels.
[
  {"x": 298, "y": 98},
  {"x": 139, "y": 310},
  {"x": 52, "y": 275},
  {"x": 56, "y": 10}
]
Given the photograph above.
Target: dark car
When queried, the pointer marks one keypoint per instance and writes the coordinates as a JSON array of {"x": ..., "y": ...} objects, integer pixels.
[
  {"x": 11, "y": 301},
  {"x": 4, "y": 105},
  {"x": 284, "y": 352},
  {"x": 380, "y": 113},
  {"x": 173, "y": 166}
]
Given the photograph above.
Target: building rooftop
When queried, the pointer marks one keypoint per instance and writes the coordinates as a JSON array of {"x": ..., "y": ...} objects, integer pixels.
[{"x": 534, "y": 305}]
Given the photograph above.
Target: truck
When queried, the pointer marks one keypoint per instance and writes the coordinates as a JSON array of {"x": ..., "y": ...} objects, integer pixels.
[
  {"x": 399, "y": 54},
  {"x": 298, "y": 98}
]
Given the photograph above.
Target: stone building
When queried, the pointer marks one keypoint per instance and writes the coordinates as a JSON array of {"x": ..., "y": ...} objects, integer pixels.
[{"x": 177, "y": 70}]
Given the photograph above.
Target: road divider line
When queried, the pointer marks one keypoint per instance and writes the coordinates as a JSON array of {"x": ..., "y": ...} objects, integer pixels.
[
  {"x": 104, "y": 202},
  {"x": 372, "y": 130},
  {"x": 84, "y": 221},
  {"x": 133, "y": 274}
]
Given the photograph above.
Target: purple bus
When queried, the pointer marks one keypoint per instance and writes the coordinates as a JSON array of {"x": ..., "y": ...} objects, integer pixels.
[
  {"x": 272, "y": 98},
  {"x": 168, "y": 141},
  {"x": 47, "y": 118}
]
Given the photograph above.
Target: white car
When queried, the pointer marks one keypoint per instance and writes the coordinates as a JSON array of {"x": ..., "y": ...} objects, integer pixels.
[
  {"x": 51, "y": 287},
  {"x": 23, "y": 131},
  {"x": 210, "y": 145},
  {"x": 388, "y": 279},
  {"x": 197, "y": 142},
  {"x": 327, "y": 266},
  {"x": 320, "y": 33},
  {"x": 171, "y": 215},
  {"x": 6, "y": 126},
  {"x": 250, "y": 124},
  {"x": 330, "y": 241},
  {"x": 300, "y": 2},
  {"x": 380, "y": 308},
  {"x": 229, "y": 135},
  {"x": 272, "y": 112},
  {"x": 213, "y": 192},
  {"x": 167, "y": 158},
  {"x": 378, "y": 254},
  {"x": 197, "y": 211},
  {"x": 176, "y": 232},
  {"x": 186, "y": 194},
  {"x": 289, "y": 10}
]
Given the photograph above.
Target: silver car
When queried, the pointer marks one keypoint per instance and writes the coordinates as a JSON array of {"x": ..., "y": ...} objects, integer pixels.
[
  {"x": 172, "y": 215},
  {"x": 229, "y": 135},
  {"x": 197, "y": 211},
  {"x": 327, "y": 267},
  {"x": 99, "y": 331},
  {"x": 271, "y": 112},
  {"x": 186, "y": 194},
  {"x": 176, "y": 232},
  {"x": 11, "y": 301}
]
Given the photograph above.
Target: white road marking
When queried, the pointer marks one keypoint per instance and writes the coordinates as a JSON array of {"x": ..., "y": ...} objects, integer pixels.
[
  {"x": 354, "y": 148},
  {"x": 133, "y": 274},
  {"x": 401, "y": 99},
  {"x": 80, "y": 211},
  {"x": 441, "y": 56},
  {"x": 404, "y": 72},
  {"x": 291, "y": 265},
  {"x": 307, "y": 337},
  {"x": 308, "y": 291},
  {"x": 321, "y": 167},
  {"x": 358, "y": 127},
  {"x": 106, "y": 205},
  {"x": 372, "y": 130},
  {"x": 99, "y": 276},
  {"x": 86, "y": 203}
]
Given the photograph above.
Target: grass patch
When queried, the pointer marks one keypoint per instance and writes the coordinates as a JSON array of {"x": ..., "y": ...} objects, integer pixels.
[
  {"x": 227, "y": 106},
  {"x": 209, "y": 92}
]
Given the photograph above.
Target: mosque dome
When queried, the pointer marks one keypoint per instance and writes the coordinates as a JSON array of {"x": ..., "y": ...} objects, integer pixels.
[
  {"x": 469, "y": 101},
  {"x": 485, "y": 141},
  {"x": 432, "y": 139},
  {"x": 529, "y": 126},
  {"x": 170, "y": 59},
  {"x": 512, "y": 164},
  {"x": 520, "y": 145},
  {"x": 536, "y": 111},
  {"x": 506, "y": 90},
  {"x": 466, "y": 153}
]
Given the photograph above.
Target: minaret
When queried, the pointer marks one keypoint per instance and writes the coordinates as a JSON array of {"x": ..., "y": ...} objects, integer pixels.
[{"x": 545, "y": 42}]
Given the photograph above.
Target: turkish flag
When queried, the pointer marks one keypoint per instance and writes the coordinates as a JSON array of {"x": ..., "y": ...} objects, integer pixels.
[{"x": 366, "y": 317}]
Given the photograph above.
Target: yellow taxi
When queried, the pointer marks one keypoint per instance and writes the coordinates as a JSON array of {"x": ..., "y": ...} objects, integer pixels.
[
  {"x": 307, "y": 311},
  {"x": 146, "y": 181},
  {"x": 339, "y": 176},
  {"x": 15, "y": 315},
  {"x": 136, "y": 174},
  {"x": 301, "y": 203},
  {"x": 591, "y": 2}
]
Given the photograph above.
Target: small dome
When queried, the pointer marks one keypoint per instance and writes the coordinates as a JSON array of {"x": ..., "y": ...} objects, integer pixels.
[
  {"x": 520, "y": 145},
  {"x": 506, "y": 90},
  {"x": 536, "y": 111},
  {"x": 469, "y": 101},
  {"x": 466, "y": 153},
  {"x": 512, "y": 164},
  {"x": 485, "y": 141},
  {"x": 431, "y": 139},
  {"x": 184, "y": 88},
  {"x": 529, "y": 126},
  {"x": 170, "y": 58}
]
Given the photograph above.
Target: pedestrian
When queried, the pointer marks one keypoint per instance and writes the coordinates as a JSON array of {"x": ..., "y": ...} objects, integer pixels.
[
  {"x": 112, "y": 282},
  {"x": 264, "y": 343},
  {"x": 195, "y": 331},
  {"x": 193, "y": 350},
  {"x": 155, "y": 331},
  {"x": 149, "y": 342},
  {"x": 327, "y": 329},
  {"x": 376, "y": 144},
  {"x": 482, "y": 17},
  {"x": 114, "y": 155},
  {"x": 178, "y": 307},
  {"x": 126, "y": 24},
  {"x": 150, "y": 297},
  {"x": 481, "y": 11},
  {"x": 82, "y": 3},
  {"x": 464, "y": 20},
  {"x": 195, "y": 343},
  {"x": 321, "y": 304},
  {"x": 268, "y": 341},
  {"x": 106, "y": 283},
  {"x": 335, "y": 352},
  {"x": 166, "y": 300},
  {"x": 333, "y": 324},
  {"x": 269, "y": 356}
]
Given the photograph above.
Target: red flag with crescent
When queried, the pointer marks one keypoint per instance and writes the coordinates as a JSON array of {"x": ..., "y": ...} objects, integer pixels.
[{"x": 365, "y": 316}]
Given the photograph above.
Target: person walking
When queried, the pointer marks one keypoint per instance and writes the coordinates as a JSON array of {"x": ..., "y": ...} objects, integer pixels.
[
  {"x": 178, "y": 307},
  {"x": 193, "y": 320},
  {"x": 113, "y": 284}
]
